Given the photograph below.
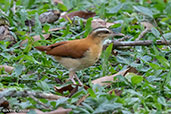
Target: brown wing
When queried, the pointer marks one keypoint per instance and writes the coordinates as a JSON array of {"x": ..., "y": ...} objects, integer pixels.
[
  {"x": 47, "y": 48},
  {"x": 72, "y": 49}
]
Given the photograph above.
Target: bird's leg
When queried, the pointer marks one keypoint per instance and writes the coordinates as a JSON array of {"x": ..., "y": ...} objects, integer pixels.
[
  {"x": 78, "y": 79},
  {"x": 71, "y": 76}
]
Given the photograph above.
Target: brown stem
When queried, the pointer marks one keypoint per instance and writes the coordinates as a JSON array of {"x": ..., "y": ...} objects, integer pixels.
[
  {"x": 142, "y": 34},
  {"x": 15, "y": 93},
  {"x": 161, "y": 33},
  {"x": 138, "y": 43}
]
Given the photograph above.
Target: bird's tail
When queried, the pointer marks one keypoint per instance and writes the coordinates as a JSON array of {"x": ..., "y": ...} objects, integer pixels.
[{"x": 41, "y": 48}]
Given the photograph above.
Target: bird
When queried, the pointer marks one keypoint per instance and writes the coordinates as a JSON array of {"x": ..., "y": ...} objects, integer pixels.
[{"x": 78, "y": 54}]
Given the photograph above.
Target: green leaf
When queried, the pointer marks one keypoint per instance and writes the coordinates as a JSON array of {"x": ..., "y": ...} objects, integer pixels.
[
  {"x": 43, "y": 85},
  {"x": 154, "y": 66},
  {"x": 38, "y": 25},
  {"x": 28, "y": 3},
  {"x": 115, "y": 9},
  {"x": 77, "y": 94},
  {"x": 105, "y": 107},
  {"x": 61, "y": 101},
  {"x": 121, "y": 78},
  {"x": 167, "y": 35},
  {"x": 25, "y": 105},
  {"x": 91, "y": 92},
  {"x": 105, "y": 56},
  {"x": 68, "y": 4},
  {"x": 131, "y": 101},
  {"x": 53, "y": 103},
  {"x": 153, "y": 78},
  {"x": 46, "y": 27},
  {"x": 1, "y": 85},
  {"x": 18, "y": 69},
  {"x": 30, "y": 59},
  {"x": 168, "y": 8},
  {"x": 6, "y": 55},
  {"x": 133, "y": 92},
  {"x": 62, "y": 7},
  {"x": 162, "y": 100},
  {"x": 155, "y": 32},
  {"x": 66, "y": 31},
  {"x": 88, "y": 27},
  {"x": 29, "y": 46},
  {"x": 160, "y": 5},
  {"x": 134, "y": 78},
  {"x": 155, "y": 50},
  {"x": 88, "y": 107},
  {"x": 23, "y": 16},
  {"x": 116, "y": 25},
  {"x": 163, "y": 61},
  {"x": 101, "y": 11},
  {"x": 84, "y": 111},
  {"x": 144, "y": 10},
  {"x": 31, "y": 112}
]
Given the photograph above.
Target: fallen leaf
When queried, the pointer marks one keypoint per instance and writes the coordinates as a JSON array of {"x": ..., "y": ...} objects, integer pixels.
[
  {"x": 3, "y": 21},
  {"x": 103, "y": 80},
  {"x": 54, "y": 29},
  {"x": 95, "y": 23},
  {"x": 117, "y": 92},
  {"x": 73, "y": 91},
  {"x": 5, "y": 34},
  {"x": 46, "y": 36},
  {"x": 81, "y": 14},
  {"x": 165, "y": 1},
  {"x": 36, "y": 38},
  {"x": 4, "y": 103},
  {"x": 49, "y": 96},
  {"x": 49, "y": 17},
  {"x": 69, "y": 88},
  {"x": 130, "y": 69},
  {"x": 149, "y": 1},
  {"x": 60, "y": 110},
  {"x": 57, "y": 1},
  {"x": 7, "y": 68},
  {"x": 148, "y": 25},
  {"x": 46, "y": 17},
  {"x": 65, "y": 88},
  {"x": 19, "y": 113}
]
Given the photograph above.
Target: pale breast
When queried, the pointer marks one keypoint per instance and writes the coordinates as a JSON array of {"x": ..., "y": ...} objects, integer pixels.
[
  {"x": 69, "y": 63},
  {"x": 90, "y": 57}
]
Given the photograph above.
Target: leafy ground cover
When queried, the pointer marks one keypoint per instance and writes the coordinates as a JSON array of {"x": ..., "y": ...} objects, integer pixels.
[{"x": 145, "y": 91}]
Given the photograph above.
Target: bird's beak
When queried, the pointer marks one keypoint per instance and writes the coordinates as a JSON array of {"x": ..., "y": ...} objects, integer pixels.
[{"x": 117, "y": 34}]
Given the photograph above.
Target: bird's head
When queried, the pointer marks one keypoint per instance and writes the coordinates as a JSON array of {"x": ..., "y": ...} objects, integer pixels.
[{"x": 100, "y": 33}]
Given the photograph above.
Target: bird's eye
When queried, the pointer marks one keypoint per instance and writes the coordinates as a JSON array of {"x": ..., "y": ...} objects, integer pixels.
[{"x": 107, "y": 32}]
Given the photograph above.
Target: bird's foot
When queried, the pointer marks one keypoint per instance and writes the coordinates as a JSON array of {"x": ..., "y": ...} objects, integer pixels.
[
  {"x": 72, "y": 75},
  {"x": 78, "y": 80},
  {"x": 73, "y": 81}
]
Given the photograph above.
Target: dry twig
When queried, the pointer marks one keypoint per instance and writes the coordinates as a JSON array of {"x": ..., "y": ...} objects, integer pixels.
[
  {"x": 161, "y": 33},
  {"x": 7, "y": 68},
  {"x": 25, "y": 93},
  {"x": 116, "y": 44},
  {"x": 148, "y": 26},
  {"x": 42, "y": 104}
]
